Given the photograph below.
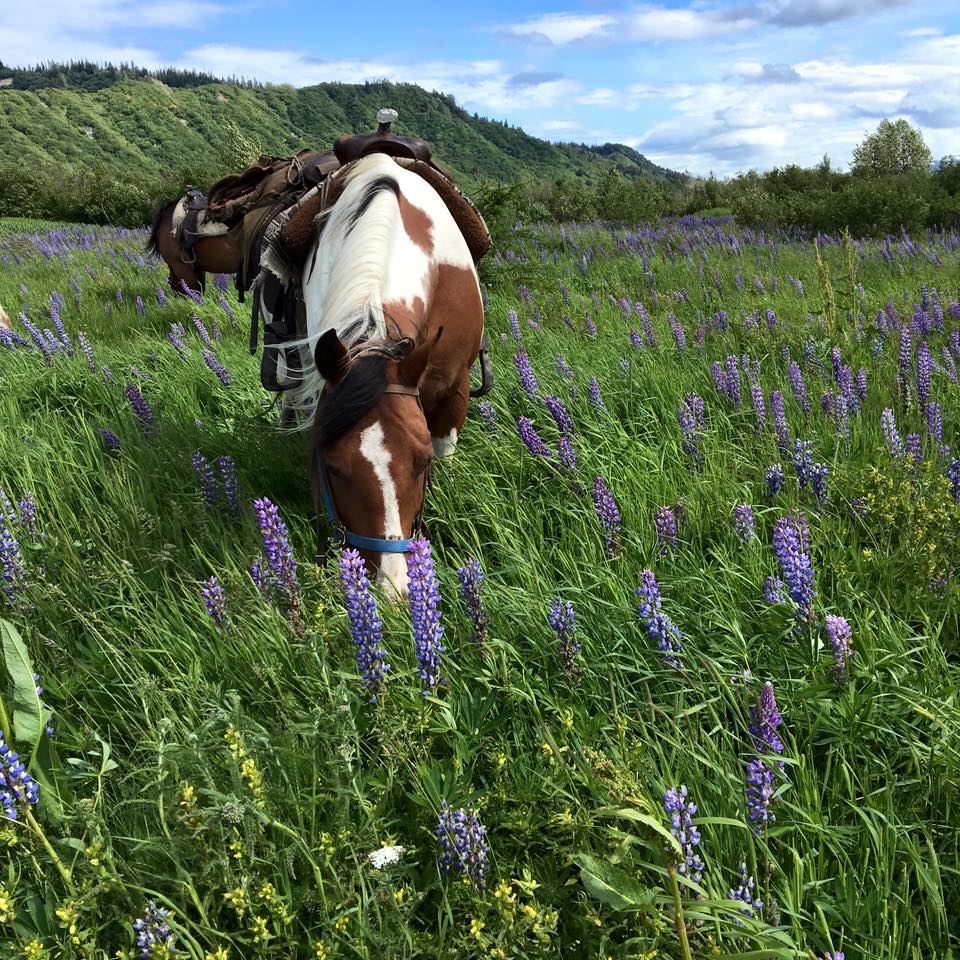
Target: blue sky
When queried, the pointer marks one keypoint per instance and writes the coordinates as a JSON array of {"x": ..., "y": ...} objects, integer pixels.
[{"x": 698, "y": 86}]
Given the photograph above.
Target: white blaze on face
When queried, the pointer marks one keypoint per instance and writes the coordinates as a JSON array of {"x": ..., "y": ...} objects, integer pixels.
[{"x": 393, "y": 566}]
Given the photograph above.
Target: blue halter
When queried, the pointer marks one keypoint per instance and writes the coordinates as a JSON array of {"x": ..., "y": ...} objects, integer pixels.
[{"x": 347, "y": 538}]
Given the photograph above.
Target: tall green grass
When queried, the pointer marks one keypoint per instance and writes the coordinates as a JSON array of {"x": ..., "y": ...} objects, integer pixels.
[{"x": 149, "y": 796}]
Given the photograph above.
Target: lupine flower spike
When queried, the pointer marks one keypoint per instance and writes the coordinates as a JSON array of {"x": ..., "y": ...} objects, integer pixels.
[
  {"x": 463, "y": 844},
  {"x": 425, "y": 614},
  {"x": 365, "y": 623}
]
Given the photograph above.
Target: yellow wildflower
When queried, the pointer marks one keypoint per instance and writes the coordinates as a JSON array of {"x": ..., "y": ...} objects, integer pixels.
[
  {"x": 259, "y": 930},
  {"x": 475, "y": 927},
  {"x": 33, "y": 950},
  {"x": 321, "y": 951},
  {"x": 341, "y": 924},
  {"x": 236, "y": 899},
  {"x": 222, "y": 953},
  {"x": 7, "y": 913}
]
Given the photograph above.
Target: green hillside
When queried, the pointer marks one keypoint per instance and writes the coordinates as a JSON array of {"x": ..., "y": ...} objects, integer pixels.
[{"x": 128, "y": 122}]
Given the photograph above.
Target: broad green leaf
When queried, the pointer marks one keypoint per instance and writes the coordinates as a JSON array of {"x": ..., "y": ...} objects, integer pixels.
[
  {"x": 612, "y": 886},
  {"x": 27, "y": 710},
  {"x": 645, "y": 819}
]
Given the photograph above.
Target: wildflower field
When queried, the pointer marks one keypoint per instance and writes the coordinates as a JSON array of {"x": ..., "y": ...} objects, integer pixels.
[{"x": 680, "y": 673}]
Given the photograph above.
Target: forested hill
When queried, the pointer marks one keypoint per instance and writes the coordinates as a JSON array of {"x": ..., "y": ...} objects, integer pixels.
[{"x": 173, "y": 122}]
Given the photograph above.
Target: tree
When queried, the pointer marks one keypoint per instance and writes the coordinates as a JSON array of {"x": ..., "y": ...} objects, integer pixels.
[{"x": 894, "y": 148}]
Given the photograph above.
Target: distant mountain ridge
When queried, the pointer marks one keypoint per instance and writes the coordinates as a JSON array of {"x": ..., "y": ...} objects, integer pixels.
[{"x": 127, "y": 118}]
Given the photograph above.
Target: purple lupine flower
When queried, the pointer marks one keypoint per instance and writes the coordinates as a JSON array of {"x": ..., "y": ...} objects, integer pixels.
[
  {"x": 636, "y": 341},
  {"x": 906, "y": 356},
  {"x": 744, "y": 523},
  {"x": 596, "y": 400},
  {"x": 766, "y": 719},
  {"x": 666, "y": 526},
  {"x": 679, "y": 334},
  {"x": 225, "y": 307},
  {"x": 802, "y": 460},
  {"x": 27, "y": 510},
  {"x": 463, "y": 844},
  {"x": 949, "y": 367},
  {"x": 889, "y": 425},
  {"x": 191, "y": 293},
  {"x": 531, "y": 438},
  {"x": 563, "y": 368},
  {"x": 681, "y": 814},
  {"x": 818, "y": 481},
  {"x": 924, "y": 372},
  {"x": 208, "y": 483},
  {"x": 528, "y": 379},
  {"x": 689, "y": 433},
  {"x": 280, "y": 561},
  {"x": 861, "y": 385},
  {"x": 141, "y": 408},
  {"x": 215, "y": 600},
  {"x": 773, "y": 590},
  {"x": 87, "y": 350},
  {"x": 563, "y": 623},
  {"x": 514, "y": 325},
  {"x": 934, "y": 414},
  {"x": 745, "y": 892},
  {"x": 262, "y": 579},
  {"x": 609, "y": 515},
  {"x": 62, "y": 336},
  {"x": 425, "y": 614},
  {"x": 953, "y": 475},
  {"x": 590, "y": 325},
  {"x": 760, "y": 790},
  {"x": 38, "y": 338},
  {"x": 914, "y": 446},
  {"x": 756, "y": 392},
  {"x": 221, "y": 281},
  {"x": 221, "y": 372},
  {"x": 833, "y": 955},
  {"x": 119, "y": 297},
  {"x": 365, "y": 624},
  {"x": 231, "y": 487},
  {"x": 780, "y": 427},
  {"x": 624, "y": 368},
  {"x": 138, "y": 305},
  {"x": 174, "y": 337},
  {"x": 13, "y": 573},
  {"x": 719, "y": 378},
  {"x": 17, "y": 787},
  {"x": 646, "y": 325},
  {"x": 826, "y": 402},
  {"x": 471, "y": 581},
  {"x": 658, "y": 625},
  {"x": 215, "y": 329},
  {"x": 799, "y": 387},
  {"x": 202, "y": 331},
  {"x": 488, "y": 415},
  {"x": 110, "y": 440},
  {"x": 733, "y": 381},
  {"x": 161, "y": 297},
  {"x": 791, "y": 543},
  {"x": 775, "y": 479},
  {"x": 839, "y": 635},
  {"x": 154, "y": 937},
  {"x": 567, "y": 454},
  {"x": 560, "y": 415}
]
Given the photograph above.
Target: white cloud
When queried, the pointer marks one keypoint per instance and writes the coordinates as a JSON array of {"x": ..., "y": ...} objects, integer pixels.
[
  {"x": 562, "y": 28},
  {"x": 663, "y": 23},
  {"x": 558, "y": 125},
  {"x": 598, "y": 97}
]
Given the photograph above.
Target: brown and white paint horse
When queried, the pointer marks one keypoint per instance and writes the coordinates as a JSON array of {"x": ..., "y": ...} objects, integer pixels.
[
  {"x": 213, "y": 251},
  {"x": 394, "y": 323}
]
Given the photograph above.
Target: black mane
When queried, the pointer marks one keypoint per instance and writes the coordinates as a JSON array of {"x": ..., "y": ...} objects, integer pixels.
[{"x": 351, "y": 399}]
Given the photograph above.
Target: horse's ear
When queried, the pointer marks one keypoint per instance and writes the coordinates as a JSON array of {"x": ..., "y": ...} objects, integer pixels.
[
  {"x": 330, "y": 357},
  {"x": 411, "y": 368}
]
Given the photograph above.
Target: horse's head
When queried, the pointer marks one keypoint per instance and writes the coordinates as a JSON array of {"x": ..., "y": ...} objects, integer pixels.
[{"x": 372, "y": 448}]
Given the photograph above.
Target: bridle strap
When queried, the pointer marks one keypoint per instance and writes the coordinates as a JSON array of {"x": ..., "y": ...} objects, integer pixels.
[{"x": 348, "y": 537}]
